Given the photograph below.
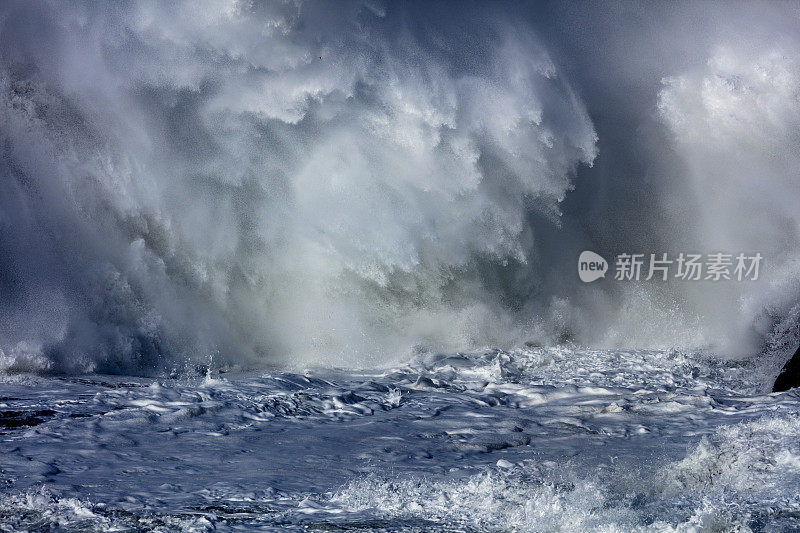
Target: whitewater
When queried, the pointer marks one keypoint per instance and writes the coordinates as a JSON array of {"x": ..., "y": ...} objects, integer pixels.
[
  {"x": 299, "y": 266},
  {"x": 539, "y": 439}
]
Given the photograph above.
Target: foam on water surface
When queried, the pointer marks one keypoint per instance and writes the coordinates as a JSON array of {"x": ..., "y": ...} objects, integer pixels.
[{"x": 530, "y": 440}]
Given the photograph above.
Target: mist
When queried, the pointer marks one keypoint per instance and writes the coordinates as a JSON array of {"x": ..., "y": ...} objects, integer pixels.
[{"x": 305, "y": 184}]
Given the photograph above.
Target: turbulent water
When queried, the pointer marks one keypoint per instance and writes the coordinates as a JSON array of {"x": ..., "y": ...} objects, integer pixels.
[
  {"x": 541, "y": 439},
  {"x": 241, "y": 243},
  {"x": 296, "y": 183}
]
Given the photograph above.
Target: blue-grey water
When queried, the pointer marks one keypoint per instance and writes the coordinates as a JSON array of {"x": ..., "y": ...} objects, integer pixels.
[{"x": 542, "y": 439}]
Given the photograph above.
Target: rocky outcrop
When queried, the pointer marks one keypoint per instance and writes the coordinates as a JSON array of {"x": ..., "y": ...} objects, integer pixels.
[{"x": 789, "y": 377}]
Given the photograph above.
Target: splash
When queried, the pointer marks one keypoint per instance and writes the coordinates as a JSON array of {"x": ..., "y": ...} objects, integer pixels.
[
  {"x": 294, "y": 184},
  {"x": 266, "y": 183}
]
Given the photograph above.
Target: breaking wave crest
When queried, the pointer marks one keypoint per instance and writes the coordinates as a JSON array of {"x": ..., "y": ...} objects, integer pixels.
[
  {"x": 288, "y": 183},
  {"x": 265, "y": 182}
]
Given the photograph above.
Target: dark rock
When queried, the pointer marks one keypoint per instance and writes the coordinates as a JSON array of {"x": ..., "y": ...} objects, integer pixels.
[{"x": 789, "y": 377}]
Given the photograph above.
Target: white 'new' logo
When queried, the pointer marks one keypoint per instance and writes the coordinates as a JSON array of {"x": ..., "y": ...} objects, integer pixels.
[{"x": 591, "y": 266}]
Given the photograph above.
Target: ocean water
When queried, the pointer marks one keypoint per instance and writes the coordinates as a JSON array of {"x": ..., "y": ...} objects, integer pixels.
[
  {"x": 540, "y": 439},
  {"x": 306, "y": 187}
]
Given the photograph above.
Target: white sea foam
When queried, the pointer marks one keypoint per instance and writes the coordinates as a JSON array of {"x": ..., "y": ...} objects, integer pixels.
[
  {"x": 531, "y": 440},
  {"x": 255, "y": 182},
  {"x": 286, "y": 183}
]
